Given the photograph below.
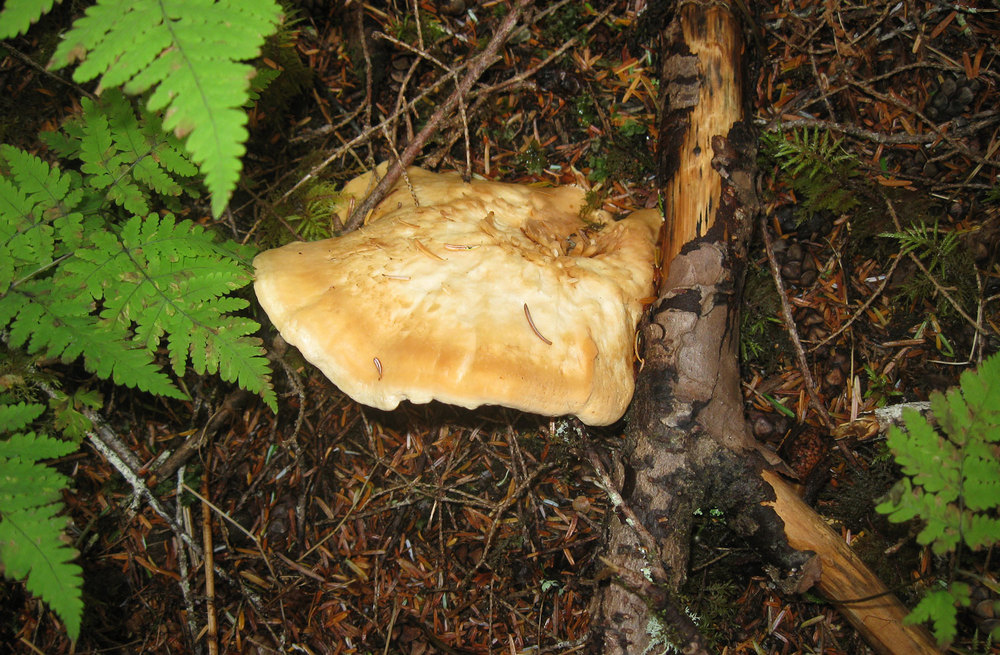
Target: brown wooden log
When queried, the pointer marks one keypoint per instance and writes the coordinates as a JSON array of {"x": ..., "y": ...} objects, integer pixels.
[
  {"x": 845, "y": 580},
  {"x": 690, "y": 443}
]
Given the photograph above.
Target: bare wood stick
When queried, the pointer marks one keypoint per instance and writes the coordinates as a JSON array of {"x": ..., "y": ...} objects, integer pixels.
[
  {"x": 692, "y": 193},
  {"x": 483, "y": 61},
  {"x": 860, "y": 596},
  {"x": 183, "y": 569},
  {"x": 206, "y": 538}
]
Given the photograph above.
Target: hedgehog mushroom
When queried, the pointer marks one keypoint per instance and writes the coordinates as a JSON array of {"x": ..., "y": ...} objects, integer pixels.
[{"x": 471, "y": 293}]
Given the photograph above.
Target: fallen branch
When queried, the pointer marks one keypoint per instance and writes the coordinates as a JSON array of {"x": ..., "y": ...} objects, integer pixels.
[
  {"x": 484, "y": 60},
  {"x": 846, "y": 581}
]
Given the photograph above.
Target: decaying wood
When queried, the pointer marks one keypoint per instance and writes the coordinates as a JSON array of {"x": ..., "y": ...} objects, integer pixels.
[
  {"x": 697, "y": 113},
  {"x": 690, "y": 445},
  {"x": 845, "y": 580}
]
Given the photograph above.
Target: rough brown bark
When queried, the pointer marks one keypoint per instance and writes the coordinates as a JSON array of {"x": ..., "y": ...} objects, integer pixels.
[{"x": 690, "y": 445}]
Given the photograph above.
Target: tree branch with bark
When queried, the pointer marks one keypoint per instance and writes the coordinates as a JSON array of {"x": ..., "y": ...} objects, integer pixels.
[{"x": 689, "y": 443}]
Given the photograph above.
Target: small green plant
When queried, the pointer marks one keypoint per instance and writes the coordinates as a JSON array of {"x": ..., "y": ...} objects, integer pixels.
[
  {"x": 188, "y": 54},
  {"x": 819, "y": 170},
  {"x": 533, "y": 158},
  {"x": 73, "y": 283},
  {"x": 945, "y": 258},
  {"x": 31, "y": 540},
  {"x": 314, "y": 219},
  {"x": 951, "y": 483},
  {"x": 94, "y": 267},
  {"x": 881, "y": 387}
]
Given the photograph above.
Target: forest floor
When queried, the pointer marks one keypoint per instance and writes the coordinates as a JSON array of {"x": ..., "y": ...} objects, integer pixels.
[{"x": 336, "y": 528}]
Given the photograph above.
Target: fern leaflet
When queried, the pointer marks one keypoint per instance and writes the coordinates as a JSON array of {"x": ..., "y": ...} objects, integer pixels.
[
  {"x": 952, "y": 481},
  {"x": 939, "y": 607},
  {"x": 18, "y": 15},
  {"x": 15, "y": 417},
  {"x": 31, "y": 543},
  {"x": 189, "y": 52},
  {"x": 118, "y": 292}
]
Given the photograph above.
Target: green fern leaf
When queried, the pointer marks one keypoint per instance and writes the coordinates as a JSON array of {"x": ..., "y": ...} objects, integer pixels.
[
  {"x": 31, "y": 540},
  {"x": 51, "y": 321},
  {"x": 167, "y": 279},
  {"x": 982, "y": 391},
  {"x": 36, "y": 204},
  {"x": 952, "y": 483},
  {"x": 981, "y": 481},
  {"x": 105, "y": 168},
  {"x": 24, "y": 484},
  {"x": 18, "y": 15},
  {"x": 15, "y": 417},
  {"x": 939, "y": 607},
  {"x": 43, "y": 185},
  {"x": 189, "y": 52},
  {"x": 981, "y": 531},
  {"x": 123, "y": 157},
  {"x": 31, "y": 547}
]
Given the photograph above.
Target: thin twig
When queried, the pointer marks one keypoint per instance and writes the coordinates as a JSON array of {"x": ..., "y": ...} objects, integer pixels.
[
  {"x": 923, "y": 269},
  {"x": 44, "y": 71},
  {"x": 206, "y": 536},
  {"x": 184, "y": 571},
  {"x": 852, "y": 130},
  {"x": 793, "y": 334},
  {"x": 483, "y": 61}
]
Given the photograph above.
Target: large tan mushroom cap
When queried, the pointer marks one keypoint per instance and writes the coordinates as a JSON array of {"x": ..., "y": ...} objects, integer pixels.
[{"x": 485, "y": 293}]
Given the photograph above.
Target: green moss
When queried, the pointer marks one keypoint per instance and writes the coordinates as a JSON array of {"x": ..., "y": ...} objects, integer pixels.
[
  {"x": 533, "y": 159},
  {"x": 564, "y": 23},
  {"x": 763, "y": 339}
]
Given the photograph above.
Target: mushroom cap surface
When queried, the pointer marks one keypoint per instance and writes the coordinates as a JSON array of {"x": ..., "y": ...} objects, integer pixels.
[{"x": 485, "y": 293}]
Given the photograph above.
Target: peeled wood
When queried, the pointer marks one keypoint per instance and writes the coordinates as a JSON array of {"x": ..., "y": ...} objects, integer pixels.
[
  {"x": 845, "y": 580},
  {"x": 693, "y": 192}
]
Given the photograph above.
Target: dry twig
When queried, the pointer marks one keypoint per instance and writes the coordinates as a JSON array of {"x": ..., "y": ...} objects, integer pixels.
[{"x": 482, "y": 61}]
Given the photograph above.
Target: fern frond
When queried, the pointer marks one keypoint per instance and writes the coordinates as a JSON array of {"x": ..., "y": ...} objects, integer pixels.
[
  {"x": 31, "y": 548},
  {"x": 953, "y": 479},
  {"x": 167, "y": 279},
  {"x": 31, "y": 539},
  {"x": 15, "y": 417},
  {"x": 818, "y": 168},
  {"x": 125, "y": 158},
  {"x": 18, "y": 15},
  {"x": 189, "y": 52},
  {"x": 50, "y": 320},
  {"x": 36, "y": 206},
  {"x": 119, "y": 292}
]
